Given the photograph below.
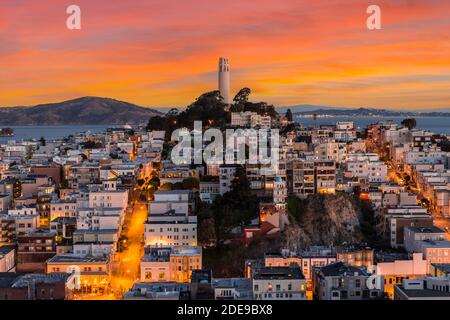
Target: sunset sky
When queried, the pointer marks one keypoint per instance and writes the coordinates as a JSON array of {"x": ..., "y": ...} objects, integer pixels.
[{"x": 164, "y": 53}]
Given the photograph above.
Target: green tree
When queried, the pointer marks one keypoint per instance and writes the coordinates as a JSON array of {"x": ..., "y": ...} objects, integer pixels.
[
  {"x": 154, "y": 181},
  {"x": 236, "y": 207},
  {"x": 42, "y": 141},
  {"x": 191, "y": 183},
  {"x": 409, "y": 123},
  {"x": 166, "y": 186},
  {"x": 289, "y": 115},
  {"x": 240, "y": 100}
]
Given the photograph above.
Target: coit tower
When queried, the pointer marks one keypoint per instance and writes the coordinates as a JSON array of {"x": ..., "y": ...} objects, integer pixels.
[{"x": 224, "y": 79}]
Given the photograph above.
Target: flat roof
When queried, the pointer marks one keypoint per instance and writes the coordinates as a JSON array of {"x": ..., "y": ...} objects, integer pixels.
[
  {"x": 445, "y": 267},
  {"x": 237, "y": 283},
  {"x": 77, "y": 259},
  {"x": 101, "y": 231},
  {"x": 432, "y": 229},
  {"x": 425, "y": 293},
  {"x": 6, "y": 249},
  {"x": 278, "y": 273},
  {"x": 172, "y": 192},
  {"x": 340, "y": 268},
  {"x": 435, "y": 244}
]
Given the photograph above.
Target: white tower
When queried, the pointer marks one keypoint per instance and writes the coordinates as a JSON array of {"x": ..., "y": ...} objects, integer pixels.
[{"x": 224, "y": 79}]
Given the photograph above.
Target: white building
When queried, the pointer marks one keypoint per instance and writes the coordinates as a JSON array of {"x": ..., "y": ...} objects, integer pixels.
[
  {"x": 226, "y": 177},
  {"x": 279, "y": 283},
  {"x": 179, "y": 201},
  {"x": 108, "y": 199},
  {"x": 63, "y": 208},
  {"x": 414, "y": 234},
  {"x": 224, "y": 80},
  {"x": 171, "y": 229}
]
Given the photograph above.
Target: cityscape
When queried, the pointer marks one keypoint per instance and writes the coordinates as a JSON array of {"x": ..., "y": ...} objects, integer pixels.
[
  {"x": 226, "y": 199},
  {"x": 342, "y": 214}
]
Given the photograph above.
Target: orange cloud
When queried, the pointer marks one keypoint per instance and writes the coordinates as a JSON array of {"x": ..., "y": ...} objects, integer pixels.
[{"x": 164, "y": 53}]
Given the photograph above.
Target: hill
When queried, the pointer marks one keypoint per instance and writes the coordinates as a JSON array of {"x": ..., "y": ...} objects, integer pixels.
[
  {"x": 368, "y": 112},
  {"x": 81, "y": 111}
]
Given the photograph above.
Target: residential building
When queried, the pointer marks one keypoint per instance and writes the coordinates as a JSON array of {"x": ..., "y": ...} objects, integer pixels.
[{"x": 279, "y": 283}]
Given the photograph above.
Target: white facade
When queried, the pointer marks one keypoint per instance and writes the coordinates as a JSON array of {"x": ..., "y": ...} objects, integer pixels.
[
  {"x": 224, "y": 80},
  {"x": 108, "y": 199},
  {"x": 171, "y": 234},
  {"x": 227, "y": 174}
]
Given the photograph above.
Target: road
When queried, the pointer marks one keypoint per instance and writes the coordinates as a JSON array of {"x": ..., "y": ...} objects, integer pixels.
[
  {"x": 396, "y": 175},
  {"x": 125, "y": 271}
]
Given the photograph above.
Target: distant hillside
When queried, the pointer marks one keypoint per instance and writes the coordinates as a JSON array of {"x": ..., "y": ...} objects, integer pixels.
[
  {"x": 369, "y": 112},
  {"x": 81, "y": 111}
]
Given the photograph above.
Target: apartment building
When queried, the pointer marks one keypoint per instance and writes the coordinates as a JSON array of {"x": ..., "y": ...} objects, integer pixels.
[
  {"x": 7, "y": 258},
  {"x": 325, "y": 177},
  {"x": 226, "y": 177},
  {"x": 414, "y": 234},
  {"x": 94, "y": 271},
  {"x": 179, "y": 201},
  {"x": 33, "y": 250},
  {"x": 427, "y": 288},
  {"x": 394, "y": 272},
  {"x": 340, "y": 281},
  {"x": 279, "y": 283},
  {"x": 164, "y": 264},
  {"x": 63, "y": 208},
  {"x": 170, "y": 229}
]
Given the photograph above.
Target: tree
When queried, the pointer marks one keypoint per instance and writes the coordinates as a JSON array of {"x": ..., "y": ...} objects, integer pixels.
[
  {"x": 166, "y": 187},
  {"x": 140, "y": 182},
  {"x": 42, "y": 141},
  {"x": 409, "y": 123},
  {"x": 240, "y": 100},
  {"x": 289, "y": 115},
  {"x": 154, "y": 181},
  {"x": 191, "y": 183},
  {"x": 236, "y": 207}
]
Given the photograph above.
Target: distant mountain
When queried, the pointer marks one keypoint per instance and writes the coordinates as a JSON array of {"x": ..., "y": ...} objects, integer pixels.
[
  {"x": 304, "y": 108},
  {"x": 81, "y": 111},
  {"x": 369, "y": 112}
]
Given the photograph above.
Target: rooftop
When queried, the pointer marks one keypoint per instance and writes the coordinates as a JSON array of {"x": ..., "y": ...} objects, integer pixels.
[
  {"x": 434, "y": 244},
  {"x": 432, "y": 229},
  {"x": 157, "y": 290},
  {"x": 6, "y": 249},
  {"x": 14, "y": 280},
  {"x": 163, "y": 192},
  {"x": 77, "y": 259},
  {"x": 237, "y": 283},
  {"x": 278, "y": 273},
  {"x": 341, "y": 269},
  {"x": 444, "y": 267},
  {"x": 100, "y": 231},
  {"x": 423, "y": 293}
]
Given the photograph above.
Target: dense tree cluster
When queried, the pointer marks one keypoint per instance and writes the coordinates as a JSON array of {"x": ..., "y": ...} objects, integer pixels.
[
  {"x": 235, "y": 208},
  {"x": 208, "y": 108},
  {"x": 242, "y": 104},
  {"x": 409, "y": 123},
  {"x": 211, "y": 110}
]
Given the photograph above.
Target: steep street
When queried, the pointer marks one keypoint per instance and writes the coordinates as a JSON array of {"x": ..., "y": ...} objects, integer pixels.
[{"x": 126, "y": 265}]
